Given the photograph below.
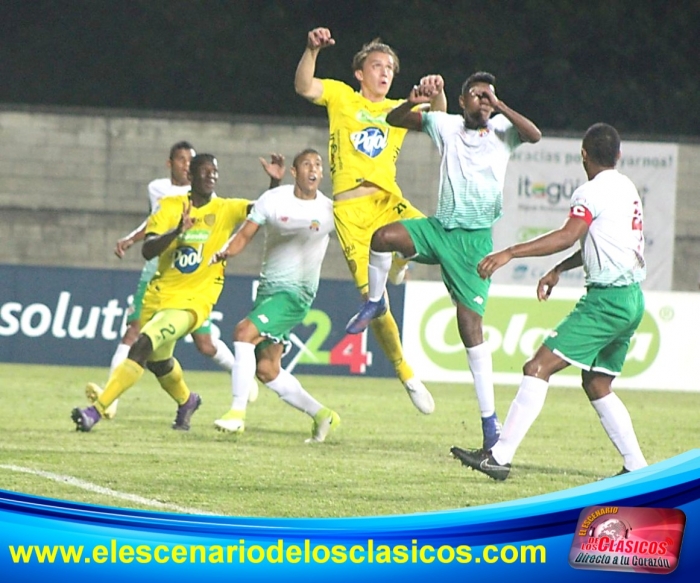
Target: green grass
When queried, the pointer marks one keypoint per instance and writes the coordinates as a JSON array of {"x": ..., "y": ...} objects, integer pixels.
[{"x": 386, "y": 458}]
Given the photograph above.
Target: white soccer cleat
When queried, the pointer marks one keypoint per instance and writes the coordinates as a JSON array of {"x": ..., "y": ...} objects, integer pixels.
[
  {"x": 232, "y": 422},
  {"x": 397, "y": 271},
  {"x": 420, "y": 396},
  {"x": 254, "y": 391},
  {"x": 93, "y": 392}
]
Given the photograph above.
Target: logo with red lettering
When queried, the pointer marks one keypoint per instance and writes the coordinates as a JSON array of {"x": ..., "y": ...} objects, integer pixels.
[{"x": 633, "y": 540}]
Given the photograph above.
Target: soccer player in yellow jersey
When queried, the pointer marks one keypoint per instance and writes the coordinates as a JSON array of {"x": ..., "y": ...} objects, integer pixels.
[
  {"x": 363, "y": 150},
  {"x": 185, "y": 233}
]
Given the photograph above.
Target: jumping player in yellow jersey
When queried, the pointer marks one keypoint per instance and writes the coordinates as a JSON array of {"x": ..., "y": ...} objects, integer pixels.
[
  {"x": 363, "y": 150},
  {"x": 185, "y": 233}
]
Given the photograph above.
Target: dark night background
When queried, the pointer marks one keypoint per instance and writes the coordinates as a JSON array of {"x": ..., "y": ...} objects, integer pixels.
[{"x": 564, "y": 64}]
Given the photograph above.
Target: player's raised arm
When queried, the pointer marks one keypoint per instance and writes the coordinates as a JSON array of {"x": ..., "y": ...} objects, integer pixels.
[
  {"x": 237, "y": 242},
  {"x": 274, "y": 169},
  {"x": 305, "y": 83},
  {"x": 404, "y": 115},
  {"x": 435, "y": 85},
  {"x": 527, "y": 130}
]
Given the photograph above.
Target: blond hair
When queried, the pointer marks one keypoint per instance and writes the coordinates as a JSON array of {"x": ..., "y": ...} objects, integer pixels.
[{"x": 374, "y": 46}]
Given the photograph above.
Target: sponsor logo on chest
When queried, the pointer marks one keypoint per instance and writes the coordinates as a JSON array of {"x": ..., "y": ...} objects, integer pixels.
[
  {"x": 187, "y": 259},
  {"x": 369, "y": 141}
]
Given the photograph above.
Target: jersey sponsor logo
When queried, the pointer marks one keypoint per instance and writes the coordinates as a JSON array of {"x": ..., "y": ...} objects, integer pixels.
[
  {"x": 187, "y": 259},
  {"x": 364, "y": 116},
  {"x": 369, "y": 141},
  {"x": 195, "y": 236}
]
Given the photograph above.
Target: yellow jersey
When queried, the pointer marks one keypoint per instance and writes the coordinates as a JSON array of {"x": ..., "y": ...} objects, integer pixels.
[
  {"x": 362, "y": 147},
  {"x": 183, "y": 268}
]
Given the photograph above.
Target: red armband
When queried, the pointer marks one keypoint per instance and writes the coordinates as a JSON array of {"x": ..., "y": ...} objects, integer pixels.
[{"x": 581, "y": 212}]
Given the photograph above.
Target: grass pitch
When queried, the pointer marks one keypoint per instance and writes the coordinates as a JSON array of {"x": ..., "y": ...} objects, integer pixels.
[{"x": 386, "y": 458}]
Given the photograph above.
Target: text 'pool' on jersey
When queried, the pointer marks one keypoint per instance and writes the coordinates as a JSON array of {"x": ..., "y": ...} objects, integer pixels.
[
  {"x": 369, "y": 141},
  {"x": 187, "y": 259}
]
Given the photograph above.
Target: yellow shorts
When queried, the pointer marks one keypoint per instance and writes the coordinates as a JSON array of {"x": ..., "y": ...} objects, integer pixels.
[
  {"x": 155, "y": 301},
  {"x": 357, "y": 219}
]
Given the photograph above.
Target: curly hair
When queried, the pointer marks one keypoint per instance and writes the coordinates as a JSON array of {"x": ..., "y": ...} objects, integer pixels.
[{"x": 478, "y": 77}]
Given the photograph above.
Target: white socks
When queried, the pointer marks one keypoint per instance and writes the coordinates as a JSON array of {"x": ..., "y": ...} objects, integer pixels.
[
  {"x": 223, "y": 357},
  {"x": 119, "y": 356},
  {"x": 617, "y": 423},
  {"x": 291, "y": 392},
  {"x": 379, "y": 266},
  {"x": 242, "y": 371},
  {"x": 481, "y": 366},
  {"x": 527, "y": 406},
  {"x": 523, "y": 411}
]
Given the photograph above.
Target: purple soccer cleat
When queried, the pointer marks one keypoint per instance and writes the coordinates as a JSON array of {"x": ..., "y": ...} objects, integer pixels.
[
  {"x": 368, "y": 312},
  {"x": 85, "y": 419},
  {"x": 185, "y": 412}
]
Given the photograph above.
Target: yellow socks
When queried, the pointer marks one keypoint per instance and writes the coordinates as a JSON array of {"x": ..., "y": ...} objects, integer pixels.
[
  {"x": 122, "y": 378},
  {"x": 173, "y": 383},
  {"x": 386, "y": 332}
]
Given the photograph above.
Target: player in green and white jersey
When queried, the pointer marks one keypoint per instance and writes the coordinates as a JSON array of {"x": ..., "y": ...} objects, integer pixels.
[
  {"x": 606, "y": 217},
  {"x": 475, "y": 149},
  {"x": 297, "y": 220}
]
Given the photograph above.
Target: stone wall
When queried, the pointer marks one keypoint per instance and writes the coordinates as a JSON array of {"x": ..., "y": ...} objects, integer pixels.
[{"x": 72, "y": 181}]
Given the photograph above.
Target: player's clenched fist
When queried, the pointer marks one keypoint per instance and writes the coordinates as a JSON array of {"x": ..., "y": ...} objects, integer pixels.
[
  {"x": 435, "y": 82},
  {"x": 319, "y": 38}
]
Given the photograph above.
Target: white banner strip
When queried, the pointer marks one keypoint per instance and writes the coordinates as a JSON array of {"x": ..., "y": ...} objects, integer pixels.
[
  {"x": 661, "y": 356},
  {"x": 540, "y": 181}
]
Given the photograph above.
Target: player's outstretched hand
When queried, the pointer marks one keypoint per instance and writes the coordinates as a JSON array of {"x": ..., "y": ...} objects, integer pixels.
[
  {"x": 222, "y": 254},
  {"x": 493, "y": 261},
  {"x": 319, "y": 38},
  {"x": 122, "y": 245},
  {"x": 546, "y": 284},
  {"x": 219, "y": 256},
  {"x": 275, "y": 167}
]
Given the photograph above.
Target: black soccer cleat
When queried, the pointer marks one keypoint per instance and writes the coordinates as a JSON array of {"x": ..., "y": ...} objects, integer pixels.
[{"x": 481, "y": 461}]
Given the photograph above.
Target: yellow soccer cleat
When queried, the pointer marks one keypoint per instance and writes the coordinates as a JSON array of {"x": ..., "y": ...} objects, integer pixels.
[
  {"x": 325, "y": 421},
  {"x": 93, "y": 392},
  {"x": 231, "y": 422}
]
